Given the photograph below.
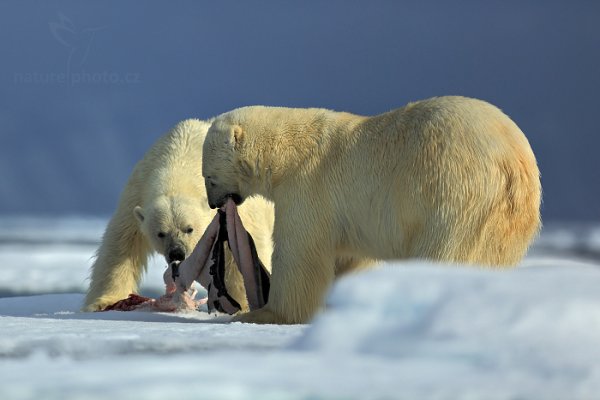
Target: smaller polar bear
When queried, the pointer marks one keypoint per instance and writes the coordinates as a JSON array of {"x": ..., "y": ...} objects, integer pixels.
[
  {"x": 163, "y": 209},
  {"x": 450, "y": 179}
]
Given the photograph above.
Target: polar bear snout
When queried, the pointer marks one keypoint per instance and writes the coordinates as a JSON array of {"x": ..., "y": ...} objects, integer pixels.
[
  {"x": 214, "y": 204},
  {"x": 175, "y": 254}
]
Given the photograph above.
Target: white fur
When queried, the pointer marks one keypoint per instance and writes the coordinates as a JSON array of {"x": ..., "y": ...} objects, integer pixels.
[
  {"x": 450, "y": 179},
  {"x": 165, "y": 193}
]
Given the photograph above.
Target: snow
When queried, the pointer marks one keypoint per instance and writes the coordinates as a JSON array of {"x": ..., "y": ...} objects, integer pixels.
[{"x": 404, "y": 331}]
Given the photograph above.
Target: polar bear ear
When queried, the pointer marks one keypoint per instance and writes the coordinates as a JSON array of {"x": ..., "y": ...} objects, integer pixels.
[
  {"x": 237, "y": 135},
  {"x": 138, "y": 212}
]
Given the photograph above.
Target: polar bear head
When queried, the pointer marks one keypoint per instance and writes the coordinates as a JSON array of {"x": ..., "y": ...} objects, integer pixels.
[
  {"x": 172, "y": 225},
  {"x": 225, "y": 173},
  {"x": 251, "y": 150}
]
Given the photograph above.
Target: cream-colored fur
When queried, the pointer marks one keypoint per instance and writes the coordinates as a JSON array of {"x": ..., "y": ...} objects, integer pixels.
[
  {"x": 165, "y": 194},
  {"x": 450, "y": 179}
]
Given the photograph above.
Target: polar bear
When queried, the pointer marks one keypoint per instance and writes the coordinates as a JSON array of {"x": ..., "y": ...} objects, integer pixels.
[
  {"x": 163, "y": 209},
  {"x": 451, "y": 179}
]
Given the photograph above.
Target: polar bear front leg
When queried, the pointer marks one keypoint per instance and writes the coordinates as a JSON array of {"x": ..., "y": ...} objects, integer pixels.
[
  {"x": 120, "y": 262},
  {"x": 302, "y": 272}
]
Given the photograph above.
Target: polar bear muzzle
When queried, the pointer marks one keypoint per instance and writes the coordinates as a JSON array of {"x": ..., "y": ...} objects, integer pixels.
[{"x": 176, "y": 253}]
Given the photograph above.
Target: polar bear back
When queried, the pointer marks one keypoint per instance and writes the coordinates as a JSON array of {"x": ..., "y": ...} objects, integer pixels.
[{"x": 454, "y": 178}]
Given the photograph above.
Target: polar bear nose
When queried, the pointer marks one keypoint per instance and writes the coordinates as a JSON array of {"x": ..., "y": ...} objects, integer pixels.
[{"x": 176, "y": 254}]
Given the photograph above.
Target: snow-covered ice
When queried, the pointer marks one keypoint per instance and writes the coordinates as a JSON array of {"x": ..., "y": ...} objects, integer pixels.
[{"x": 410, "y": 330}]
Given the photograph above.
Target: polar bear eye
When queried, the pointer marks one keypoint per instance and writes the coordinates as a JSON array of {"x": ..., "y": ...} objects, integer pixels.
[
  {"x": 161, "y": 235},
  {"x": 210, "y": 181},
  {"x": 189, "y": 230}
]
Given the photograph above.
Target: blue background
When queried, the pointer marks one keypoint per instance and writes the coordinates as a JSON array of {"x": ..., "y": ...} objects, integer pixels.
[{"x": 87, "y": 87}]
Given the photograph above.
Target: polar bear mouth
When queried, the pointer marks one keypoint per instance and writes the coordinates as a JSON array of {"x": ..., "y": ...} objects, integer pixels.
[{"x": 237, "y": 199}]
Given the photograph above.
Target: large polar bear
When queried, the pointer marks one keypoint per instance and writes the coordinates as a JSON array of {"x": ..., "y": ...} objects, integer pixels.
[
  {"x": 450, "y": 179},
  {"x": 163, "y": 209}
]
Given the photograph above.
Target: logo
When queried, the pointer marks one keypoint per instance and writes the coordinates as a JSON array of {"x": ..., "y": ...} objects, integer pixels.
[{"x": 77, "y": 41}]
